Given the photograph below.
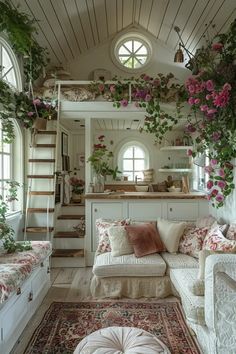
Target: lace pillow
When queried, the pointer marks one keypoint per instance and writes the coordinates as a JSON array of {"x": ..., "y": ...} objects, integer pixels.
[
  {"x": 102, "y": 226},
  {"x": 231, "y": 233},
  {"x": 215, "y": 241},
  {"x": 119, "y": 241},
  {"x": 192, "y": 240}
]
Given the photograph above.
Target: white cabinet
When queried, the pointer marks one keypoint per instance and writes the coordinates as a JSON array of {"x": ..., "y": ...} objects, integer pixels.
[
  {"x": 145, "y": 211},
  {"x": 17, "y": 311},
  {"x": 182, "y": 210}
]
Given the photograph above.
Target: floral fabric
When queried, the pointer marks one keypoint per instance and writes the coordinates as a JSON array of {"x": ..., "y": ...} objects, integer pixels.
[
  {"x": 231, "y": 233},
  {"x": 215, "y": 241},
  {"x": 102, "y": 226},
  {"x": 41, "y": 249},
  {"x": 11, "y": 278},
  {"x": 192, "y": 240}
]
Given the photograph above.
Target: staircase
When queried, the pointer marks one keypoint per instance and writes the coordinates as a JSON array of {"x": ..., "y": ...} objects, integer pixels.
[
  {"x": 40, "y": 202},
  {"x": 68, "y": 243}
]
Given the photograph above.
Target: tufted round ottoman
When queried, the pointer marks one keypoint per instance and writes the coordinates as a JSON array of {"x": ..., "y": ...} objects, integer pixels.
[{"x": 121, "y": 340}]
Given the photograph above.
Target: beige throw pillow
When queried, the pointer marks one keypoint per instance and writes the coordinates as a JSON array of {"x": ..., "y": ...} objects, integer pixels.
[
  {"x": 170, "y": 233},
  {"x": 119, "y": 241}
]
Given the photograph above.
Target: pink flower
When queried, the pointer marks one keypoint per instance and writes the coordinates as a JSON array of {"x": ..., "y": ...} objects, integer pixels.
[
  {"x": 191, "y": 89},
  {"x": 30, "y": 114},
  {"x": 189, "y": 152},
  {"x": 208, "y": 169},
  {"x": 213, "y": 162},
  {"x": 156, "y": 82},
  {"x": 221, "y": 172},
  {"x": 217, "y": 47},
  {"x": 209, "y": 184},
  {"x": 209, "y": 85},
  {"x": 216, "y": 136},
  {"x": 214, "y": 192},
  {"x": 208, "y": 97},
  {"x": 197, "y": 100},
  {"x": 124, "y": 102},
  {"x": 148, "y": 98},
  {"x": 146, "y": 77},
  {"x": 36, "y": 101},
  {"x": 204, "y": 107},
  {"x": 112, "y": 88},
  {"x": 101, "y": 87},
  {"x": 220, "y": 198},
  {"x": 221, "y": 184},
  {"x": 191, "y": 100},
  {"x": 222, "y": 99},
  {"x": 190, "y": 128},
  {"x": 211, "y": 111},
  {"x": 227, "y": 86}
]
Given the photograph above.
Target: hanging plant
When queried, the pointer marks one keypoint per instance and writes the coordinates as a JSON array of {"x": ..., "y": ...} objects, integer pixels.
[
  {"x": 20, "y": 29},
  {"x": 7, "y": 111},
  {"x": 6, "y": 232}
]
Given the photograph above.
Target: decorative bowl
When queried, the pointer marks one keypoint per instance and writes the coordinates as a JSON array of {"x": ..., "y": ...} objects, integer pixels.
[
  {"x": 141, "y": 188},
  {"x": 174, "y": 190}
]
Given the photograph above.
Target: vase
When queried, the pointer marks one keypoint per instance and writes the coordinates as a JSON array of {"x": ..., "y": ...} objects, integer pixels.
[
  {"x": 76, "y": 198},
  {"x": 40, "y": 124},
  {"x": 98, "y": 183}
]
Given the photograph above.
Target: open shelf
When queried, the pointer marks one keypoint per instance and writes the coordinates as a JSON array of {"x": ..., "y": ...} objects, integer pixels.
[
  {"x": 169, "y": 148},
  {"x": 186, "y": 170}
]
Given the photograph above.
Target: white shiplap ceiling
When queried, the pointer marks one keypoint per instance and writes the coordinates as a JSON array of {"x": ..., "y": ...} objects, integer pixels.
[{"x": 69, "y": 28}]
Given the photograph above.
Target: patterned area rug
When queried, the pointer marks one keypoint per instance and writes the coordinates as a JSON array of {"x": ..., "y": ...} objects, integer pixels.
[{"x": 65, "y": 324}]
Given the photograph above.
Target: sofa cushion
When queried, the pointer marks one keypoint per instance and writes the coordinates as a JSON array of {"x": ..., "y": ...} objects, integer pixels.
[
  {"x": 215, "y": 241},
  {"x": 119, "y": 241},
  {"x": 183, "y": 280},
  {"x": 170, "y": 233},
  {"x": 231, "y": 233},
  {"x": 145, "y": 239},
  {"x": 176, "y": 261},
  {"x": 128, "y": 265},
  {"x": 192, "y": 240}
]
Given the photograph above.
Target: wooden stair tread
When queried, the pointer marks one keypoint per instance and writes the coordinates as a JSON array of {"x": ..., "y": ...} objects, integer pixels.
[
  {"x": 73, "y": 204},
  {"x": 41, "y": 160},
  {"x": 40, "y": 176},
  {"x": 41, "y": 193},
  {"x": 70, "y": 217},
  {"x": 40, "y": 210},
  {"x": 45, "y": 145},
  {"x": 38, "y": 229},
  {"x": 68, "y": 253},
  {"x": 68, "y": 234},
  {"x": 47, "y": 132}
]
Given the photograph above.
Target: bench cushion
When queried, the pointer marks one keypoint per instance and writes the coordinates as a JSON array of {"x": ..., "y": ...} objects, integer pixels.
[
  {"x": 128, "y": 265},
  {"x": 178, "y": 260},
  {"x": 183, "y": 280}
]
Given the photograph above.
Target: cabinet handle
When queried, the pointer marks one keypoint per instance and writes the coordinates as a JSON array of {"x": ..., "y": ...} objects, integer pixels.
[
  {"x": 30, "y": 297},
  {"x": 95, "y": 210},
  {"x": 41, "y": 264},
  {"x": 1, "y": 334},
  {"x": 171, "y": 209},
  {"x": 48, "y": 270}
]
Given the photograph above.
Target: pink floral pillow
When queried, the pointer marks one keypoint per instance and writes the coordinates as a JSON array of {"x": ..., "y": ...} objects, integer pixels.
[
  {"x": 102, "y": 226},
  {"x": 231, "y": 233},
  {"x": 215, "y": 241},
  {"x": 192, "y": 240}
]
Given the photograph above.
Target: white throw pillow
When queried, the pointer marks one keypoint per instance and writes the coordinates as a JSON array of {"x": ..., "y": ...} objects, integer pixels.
[
  {"x": 170, "y": 233},
  {"x": 119, "y": 241}
]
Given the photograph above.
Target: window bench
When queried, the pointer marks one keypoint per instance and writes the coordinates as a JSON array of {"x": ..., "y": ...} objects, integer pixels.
[{"x": 24, "y": 281}]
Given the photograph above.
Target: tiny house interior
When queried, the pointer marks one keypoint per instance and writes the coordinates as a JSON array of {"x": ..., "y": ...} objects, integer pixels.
[{"x": 127, "y": 194}]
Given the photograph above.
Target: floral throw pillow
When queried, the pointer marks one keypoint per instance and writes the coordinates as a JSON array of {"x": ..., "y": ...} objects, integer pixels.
[
  {"x": 231, "y": 233},
  {"x": 102, "y": 226},
  {"x": 192, "y": 240},
  {"x": 215, "y": 241}
]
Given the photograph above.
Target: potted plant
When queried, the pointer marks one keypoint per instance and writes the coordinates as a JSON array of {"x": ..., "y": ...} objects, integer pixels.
[{"x": 77, "y": 188}]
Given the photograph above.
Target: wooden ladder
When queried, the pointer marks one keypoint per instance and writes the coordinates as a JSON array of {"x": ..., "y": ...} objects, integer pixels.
[{"x": 40, "y": 201}]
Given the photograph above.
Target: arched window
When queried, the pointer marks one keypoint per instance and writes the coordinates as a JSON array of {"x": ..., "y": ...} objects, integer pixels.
[
  {"x": 133, "y": 159},
  {"x": 11, "y": 158}
]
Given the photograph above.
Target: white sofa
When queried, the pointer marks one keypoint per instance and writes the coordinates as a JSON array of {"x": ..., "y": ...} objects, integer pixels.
[{"x": 212, "y": 317}]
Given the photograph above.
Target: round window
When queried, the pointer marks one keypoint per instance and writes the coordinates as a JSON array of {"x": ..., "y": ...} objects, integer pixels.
[{"x": 132, "y": 51}]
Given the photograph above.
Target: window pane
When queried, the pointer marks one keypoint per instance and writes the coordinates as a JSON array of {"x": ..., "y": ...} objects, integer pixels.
[
  {"x": 128, "y": 153},
  {"x": 129, "y": 175},
  {"x": 6, "y": 61},
  {"x": 128, "y": 165},
  {"x": 124, "y": 60},
  {"x": 1, "y": 172},
  {"x": 6, "y": 147},
  {"x": 138, "y": 153},
  {"x": 141, "y": 59},
  {"x": 124, "y": 50},
  {"x": 11, "y": 78},
  {"x": 128, "y": 44},
  {"x": 136, "y": 63},
  {"x": 137, "y": 45},
  {"x": 142, "y": 51},
  {"x": 138, "y": 165},
  {"x": 6, "y": 166},
  {"x": 139, "y": 176}
]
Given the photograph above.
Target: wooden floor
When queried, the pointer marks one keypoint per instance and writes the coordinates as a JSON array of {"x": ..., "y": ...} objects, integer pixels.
[{"x": 68, "y": 284}]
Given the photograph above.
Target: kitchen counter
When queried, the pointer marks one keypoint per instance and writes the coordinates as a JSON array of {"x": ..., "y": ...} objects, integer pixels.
[{"x": 146, "y": 195}]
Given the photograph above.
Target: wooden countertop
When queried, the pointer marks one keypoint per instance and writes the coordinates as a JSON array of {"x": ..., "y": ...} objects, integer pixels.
[{"x": 146, "y": 195}]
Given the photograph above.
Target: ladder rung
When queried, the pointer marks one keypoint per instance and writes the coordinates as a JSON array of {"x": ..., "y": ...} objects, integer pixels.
[
  {"x": 38, "y": 229},
  {"x": 47, "y": 132},
  {"x": 40, "y": 210},
  {"x": 69, "y": 234},
  {"x": 41, "y": 193},
  {"x": 41, "y": 160},
  {"x": 68, "y": 253},
  {"x": 40, "y": 176},
  {"x": 71, "y": 217},
  {"x": 45, "y": 145}
]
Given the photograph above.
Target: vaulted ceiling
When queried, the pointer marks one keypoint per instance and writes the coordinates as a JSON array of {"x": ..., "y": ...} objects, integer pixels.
[{"x": 69, "y": 28}]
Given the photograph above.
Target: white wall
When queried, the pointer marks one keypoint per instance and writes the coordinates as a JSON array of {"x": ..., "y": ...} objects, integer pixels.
[
  {"x": 228, "y": 212},
  {"x": 100, "y": 58}
]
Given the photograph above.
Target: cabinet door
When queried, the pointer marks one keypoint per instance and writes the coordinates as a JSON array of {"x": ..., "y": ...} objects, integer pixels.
[
  {"x": 145, "y": 211},
  {"x": 182, "y": 210},
  {"x": 106, "y": 210}
]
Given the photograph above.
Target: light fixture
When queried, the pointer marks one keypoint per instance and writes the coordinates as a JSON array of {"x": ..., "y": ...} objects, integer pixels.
[{"x": 179, "y": 55}]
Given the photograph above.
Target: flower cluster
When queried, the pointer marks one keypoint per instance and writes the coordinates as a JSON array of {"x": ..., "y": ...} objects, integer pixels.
[
  {"x": 77, "y": 185},
  {"x": 212, "y": 97},
  {"x": 27, "y": 109}
]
